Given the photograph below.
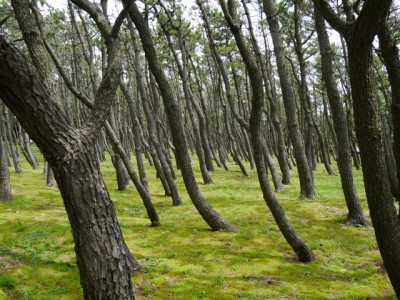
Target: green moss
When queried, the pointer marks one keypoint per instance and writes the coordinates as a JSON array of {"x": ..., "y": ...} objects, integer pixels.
[{"x": 183, "y": 258}]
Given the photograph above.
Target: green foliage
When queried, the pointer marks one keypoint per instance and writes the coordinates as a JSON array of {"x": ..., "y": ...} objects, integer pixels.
[{"x": 182, "y": 258}]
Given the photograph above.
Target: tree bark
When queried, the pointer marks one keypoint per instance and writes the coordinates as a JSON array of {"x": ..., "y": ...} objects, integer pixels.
[
  {"x": 391, "y": 58},
  {"x": 305, "y": 173},
  {"x": 369, "y": 128},
  {"x": 355, "y": 214},
  {"x": 105, "y": 262},
  {"x": 303, "y": 252},
  {"x": 213, "y": 219}
]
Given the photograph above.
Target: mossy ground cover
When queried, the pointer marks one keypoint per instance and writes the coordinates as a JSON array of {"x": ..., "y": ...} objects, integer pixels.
[{"x": 183, "y": 259}]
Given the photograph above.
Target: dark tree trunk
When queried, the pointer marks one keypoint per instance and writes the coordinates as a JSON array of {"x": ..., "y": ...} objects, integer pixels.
[
  {"x": 303, "y": 252},
  {"x": 391, "y": 57},
  {"x": 355, "y": 215},
  {"x": 369, "y": 127},
  {"x": 305, "y": 173},
  {"x": 213, "y": 219},
  {"x": 105, "y": 262}
]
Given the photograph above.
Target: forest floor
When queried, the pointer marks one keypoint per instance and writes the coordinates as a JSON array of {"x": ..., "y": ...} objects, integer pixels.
[{"x": 183, "y": 259}]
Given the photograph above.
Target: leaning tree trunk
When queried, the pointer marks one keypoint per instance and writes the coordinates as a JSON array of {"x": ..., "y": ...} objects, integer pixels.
[
  {"x": 355, "y": 215},
  {"x": 103, "y": 258},
  {"x": 303, "y": 252},
  {"x": 369, "y": 127},
  {"x": 105, "y": 262},
  {"x": 213, "y": 219},
  {"x": 305, "y": 173}
]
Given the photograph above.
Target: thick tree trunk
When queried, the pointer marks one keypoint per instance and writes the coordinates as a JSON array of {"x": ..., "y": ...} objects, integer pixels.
[
  {"x": 369, "y": 130},
  {"x": 104, "y": 260},
  {"x": 391, "y": 57},
  {"x": 369, "y": 127},
  {"x": 105, "y": 263}
]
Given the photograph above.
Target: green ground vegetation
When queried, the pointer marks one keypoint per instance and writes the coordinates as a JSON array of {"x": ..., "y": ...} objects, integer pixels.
[{"x": 183, "y": 259}]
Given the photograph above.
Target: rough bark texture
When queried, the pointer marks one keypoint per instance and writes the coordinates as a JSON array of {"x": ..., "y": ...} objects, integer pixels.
[
  {"x": 369, "y": 127},
  {"x": 105, "y": 262},
  {"x": 391, "y": 57}
]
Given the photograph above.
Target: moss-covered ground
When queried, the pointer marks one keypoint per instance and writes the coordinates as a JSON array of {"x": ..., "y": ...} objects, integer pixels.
[{"x": 182, "y": 258}]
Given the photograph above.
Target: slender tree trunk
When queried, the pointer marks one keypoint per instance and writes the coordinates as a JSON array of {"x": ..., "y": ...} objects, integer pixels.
[
  {"x": 213, "y": 219},
  {"x": 5, "y": 187},
  {"x": 13, "y": 150},
  {"x": 355, "y": 212},
  {"x": 303, "y": 252},
  {"x": 305, "y": 173},
  {"x": 166, "y": 177}
]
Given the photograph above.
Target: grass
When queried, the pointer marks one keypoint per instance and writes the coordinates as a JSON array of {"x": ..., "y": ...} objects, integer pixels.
[{"x": 182, "y": 258}]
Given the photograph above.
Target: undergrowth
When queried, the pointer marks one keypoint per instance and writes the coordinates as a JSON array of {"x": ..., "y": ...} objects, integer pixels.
[{"x": 182, "y": 258}]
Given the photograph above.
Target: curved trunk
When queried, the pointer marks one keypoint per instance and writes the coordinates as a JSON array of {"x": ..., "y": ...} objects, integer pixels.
[
  {"x": 355, "y": 214},
  {"x": 213, "y": 219},
  {"x": 104, "y": 260},
  {"x": 303, "y": 252},
  {"x": 305, "y": 173}
]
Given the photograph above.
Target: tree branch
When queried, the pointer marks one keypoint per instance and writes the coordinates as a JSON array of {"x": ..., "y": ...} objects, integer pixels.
[{"x": 332, "y": 18}]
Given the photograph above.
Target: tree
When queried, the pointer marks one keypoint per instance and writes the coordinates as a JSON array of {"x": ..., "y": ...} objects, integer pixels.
[
  {"x": 303, "y": 252},
  {"x": 391, "y": 57},
  {"x": 359, "y": 34},
  {"x": 305, "y": 172},
  {"x": 355, "y": 215},
  {"x": 105, "y": 262},
  {"x": 213, "y": 219}
]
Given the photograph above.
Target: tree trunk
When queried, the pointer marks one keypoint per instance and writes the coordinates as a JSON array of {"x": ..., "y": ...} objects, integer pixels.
[
  {"x": 391, "y": 57},
  {"x": 5, "y": 188},
  {"x": 303, "y": 252},
  {"x": 104, "y": 260},
  {"x": 355, "y": 214},
  {"x": 369, "y": 127},
  {"x": 213, "y": 219},
  {"x": 305, "y": 173}
]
